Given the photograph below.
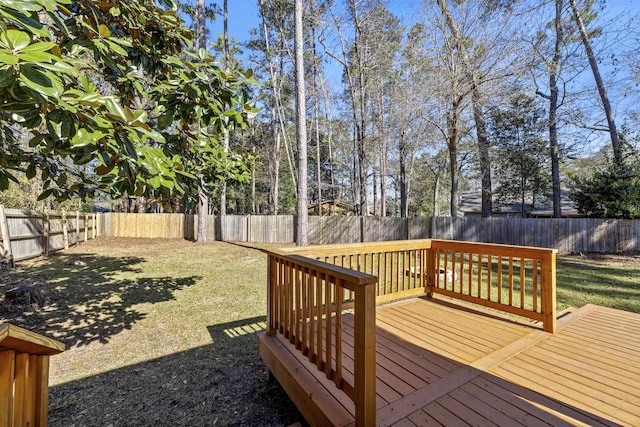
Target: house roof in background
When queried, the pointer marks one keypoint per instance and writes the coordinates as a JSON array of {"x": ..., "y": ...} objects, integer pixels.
[{"x": 471, "y": 203}]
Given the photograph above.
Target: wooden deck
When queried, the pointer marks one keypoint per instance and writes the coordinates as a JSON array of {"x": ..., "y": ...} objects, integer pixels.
[{"x": 442, "y": 364}]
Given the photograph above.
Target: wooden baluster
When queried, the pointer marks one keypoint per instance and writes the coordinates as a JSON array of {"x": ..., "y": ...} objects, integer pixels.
[
  {"x": 489, "y": 284},
  {"x": 480, "y": 275},
  {"x": 470, "y": 272},
  {"x": 444, "y": 275},
  {"x": 500, "y": 279},
  {"x": 396, "y": 266},
  {"x": 305, "y": 309},
  {"x": 511, "y": 281},
  {"x": 270, "y": 293},
  {"x": 534, "y": 290},
  {"x": 329, "y": 283},
  {"x": 289, "y": 299},
  {"x": 295, "y": 338},
  {"x": 380, "y": 282},
  {"x": 313, "y": 285},
  {"x": 321, "y": 282},
  {"x": 339, "y": 298},
  {"x": 461, "y": 275},
  {"x": 522, "y": 282}
]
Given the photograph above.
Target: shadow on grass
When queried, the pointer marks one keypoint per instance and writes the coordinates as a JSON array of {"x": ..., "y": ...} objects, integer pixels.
[
  {"x": 223, "y": 383},
  {"x": 580, "y": 281},
  {"x": 85, "y": 297}
]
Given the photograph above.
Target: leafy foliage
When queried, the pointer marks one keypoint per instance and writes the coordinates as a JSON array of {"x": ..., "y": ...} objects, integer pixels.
[
  {"x": 76, "y": 77},
  {"x": 613, "y": 192},
  {"x": 517, "y": 132}
]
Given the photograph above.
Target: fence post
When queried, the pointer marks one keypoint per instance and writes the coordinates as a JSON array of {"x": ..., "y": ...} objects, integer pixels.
[
  {"x": 77, "y": 227},
  {"x": 548, "y": 285},
  {"x": 6, "y": 237},
  {"x": 65, "y": 231},
  {"x": 86, "y": 227},
  {"x": 94, "y": 228},
  {"x": 45, "y": 233}
]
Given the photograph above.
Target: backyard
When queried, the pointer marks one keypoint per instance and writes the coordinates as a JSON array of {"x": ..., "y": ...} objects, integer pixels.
[{"x": 162, "y": 332}]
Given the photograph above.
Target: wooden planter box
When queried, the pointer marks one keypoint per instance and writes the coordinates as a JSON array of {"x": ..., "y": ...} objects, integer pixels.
[{"x": 24, "y": 376}]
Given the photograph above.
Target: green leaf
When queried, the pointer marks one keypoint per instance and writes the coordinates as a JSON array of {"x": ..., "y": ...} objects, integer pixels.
[
  {"x": 46, "y": 84},
  {"x": 116, "y": 48},
  {"x": 61, "y": 67},
  {"x": 6, "y": 76},
  {"x": 4, "y": 181},
  {"x": 8, "y": 59},
  {"x": 45, "y": 194},
  {"x": 23, "y": 21},
  {"x": 15, "y": 39},
  {"x": 115, "y": 108},
  {"x": 31, "y": 171},
  {"x": 38, "y": 47}
]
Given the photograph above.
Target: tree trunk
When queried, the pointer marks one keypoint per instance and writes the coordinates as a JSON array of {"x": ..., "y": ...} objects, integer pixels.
[
  {"x": 203, "y": 197},
  {"x": 316, "y": 119},
  {"x": 203, "y": 211},
  {"x": 613, "y": 132},
  {"x": 452, "y": 144},
  {"x": 402, "y": 148},
  {"x": 225, "y": 131},
  {"x": 483, "y": 149},
  {"x": 553, "y": 109},
  {"x": 301, "y": 129},
  {"x": 478, "y": 115},
  {"x": 275, "y": 154}
]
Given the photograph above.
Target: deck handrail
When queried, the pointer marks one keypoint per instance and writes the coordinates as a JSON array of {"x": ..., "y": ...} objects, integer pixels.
[
  {"x": 306, "y": 300},
  {"x": 520, "y": 280},
  {"x": 468, "y": 271},
  {"x": 24, "y": 376}
]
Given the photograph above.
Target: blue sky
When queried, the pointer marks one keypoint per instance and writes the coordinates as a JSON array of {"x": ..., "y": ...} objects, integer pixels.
[{"x": 243, "y": 14}]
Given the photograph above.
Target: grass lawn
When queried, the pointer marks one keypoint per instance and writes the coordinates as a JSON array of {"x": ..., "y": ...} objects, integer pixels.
[
  {"x": 158, "y": 332},
  {"x": 162, "y": 332}
]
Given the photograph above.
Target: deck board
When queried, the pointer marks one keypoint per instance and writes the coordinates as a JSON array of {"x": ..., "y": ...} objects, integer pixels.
[{"x": 438, "y": 364}]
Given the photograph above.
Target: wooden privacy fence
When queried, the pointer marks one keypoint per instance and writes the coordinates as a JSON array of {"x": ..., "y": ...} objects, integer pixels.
[
  {"x": 568, "y": 235},
  {"x": 24, "y": 376},
  {"x": 313, "y": 291},
  {"x": 27, "y": 234}
]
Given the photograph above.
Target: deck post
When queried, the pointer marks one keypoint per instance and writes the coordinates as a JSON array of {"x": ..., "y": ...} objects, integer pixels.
[
  {"x": 365, "y": 355},
  {"x": 430, "y": 276},
  {"x": 549, "y": 291}
]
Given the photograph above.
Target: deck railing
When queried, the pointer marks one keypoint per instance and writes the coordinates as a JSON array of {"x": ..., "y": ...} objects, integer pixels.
[
  {"x": 310, "y": 288},
  {"x": 306, "y": 303},
  {"x": 515, "y": 279}
]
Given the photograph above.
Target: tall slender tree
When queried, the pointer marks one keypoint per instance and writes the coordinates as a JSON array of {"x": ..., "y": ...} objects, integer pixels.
[
  {"x": 301, "y": 129},
  {"x": 602, "y": 91},
  {"x": 225, "y": 134}
]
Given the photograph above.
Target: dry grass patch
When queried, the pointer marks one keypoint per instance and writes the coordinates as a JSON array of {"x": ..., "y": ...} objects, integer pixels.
[{"x": 158, "y": 332}]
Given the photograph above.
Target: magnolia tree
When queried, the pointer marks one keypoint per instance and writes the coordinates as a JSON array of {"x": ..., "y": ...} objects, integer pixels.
[{"x": 114, "y": 86}]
